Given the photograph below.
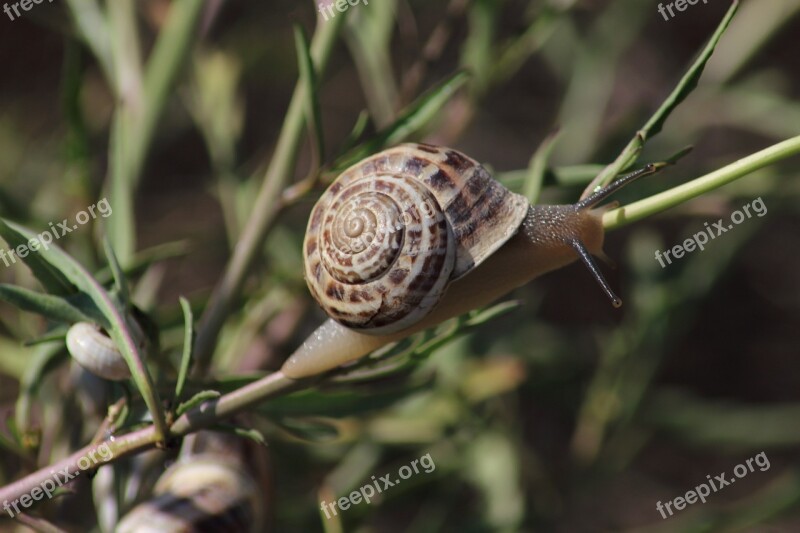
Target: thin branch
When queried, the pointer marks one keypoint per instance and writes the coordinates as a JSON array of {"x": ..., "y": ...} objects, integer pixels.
[
  {"x": 202, "y": 416},
  {"x": 622, "y": 216},
  {"x": 266, "y": 207},
  {"x": 92, "y": 26}
]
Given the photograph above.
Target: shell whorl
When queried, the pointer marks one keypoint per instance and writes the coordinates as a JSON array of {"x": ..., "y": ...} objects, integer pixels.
[{"x": 390, "y": 233}]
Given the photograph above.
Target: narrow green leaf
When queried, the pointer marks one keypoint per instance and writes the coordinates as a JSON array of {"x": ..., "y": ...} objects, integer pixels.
[
  {"x": 537, "y": 168},
  {"x": 196, "y": 400},
  {"x": 120, "y": 282},
  {"x": 17, "y": 436},
  {"x": 51, "y": 307},
  {"x": 689, "y": 81},
  {"x": 145, "y": 258},
  {"x": 410, "y": 122},
  {"x": 484, "y": 315},
  {"x": 12, "y": 447},
  {"x": 677, "y": 156},
  {"x": 478, "y": 51},
  {"x": 685, "y": 86},
  {"x": 51, "y": 279},
  {"x": 312, "y": 430},
  {"x": 339, "y": 403},
  {"x": 54, "y": 335},
  {"x": 357, "y": 131},
  {"x": 122, "y": 416},
  {"x": 368, "y": 35},
  {"x": 566, "y": 176},
  {"x": 22, "y": 442},
  {"x": 113, "y": 320},
  {"x": 656, "y": 203},
  {"x": 308, "y": 77},
  {"x": 46, "y": 358},
  {"x": 518, "y": 50},
  {"x": 247, "y": 433},
  {"x": 188, "y": 340}
]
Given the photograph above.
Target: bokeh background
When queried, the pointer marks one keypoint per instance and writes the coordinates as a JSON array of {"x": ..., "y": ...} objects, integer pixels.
[{"x": 560, "y": 414}]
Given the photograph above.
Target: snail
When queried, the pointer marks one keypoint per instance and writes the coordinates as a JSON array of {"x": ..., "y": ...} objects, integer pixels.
[
  {"x": 382, "y": 266},
  {"x": 96, "y": 352},
  {"x": 206, "y": 493}
]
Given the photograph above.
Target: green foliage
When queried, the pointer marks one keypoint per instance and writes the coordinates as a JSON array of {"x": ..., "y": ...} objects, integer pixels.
[{"x": 531, "y": 407}]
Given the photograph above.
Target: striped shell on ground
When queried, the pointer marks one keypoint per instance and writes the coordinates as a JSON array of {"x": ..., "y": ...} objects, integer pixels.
[{"x": 393, "y": 230}]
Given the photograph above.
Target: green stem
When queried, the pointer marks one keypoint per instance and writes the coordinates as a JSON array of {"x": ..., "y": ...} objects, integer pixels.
[
  {"x": 211, "y": 412},
  {"x": 92, "y": 25},
  {"x": 165, "y": 64},
  {"x": 266, "y": 205},
  {"x": 138, "y": 441},
  {"x": 622, "y": 216},
  {"x": 142, "y": 100},
  {"x": 127, "y": 84}
]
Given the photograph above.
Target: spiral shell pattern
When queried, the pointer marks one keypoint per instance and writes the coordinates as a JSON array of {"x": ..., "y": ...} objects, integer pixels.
[{"x": 389, "y": 234}]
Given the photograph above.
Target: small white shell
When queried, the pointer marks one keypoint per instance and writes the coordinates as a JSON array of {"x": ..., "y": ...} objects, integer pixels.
[{"x": 96, "y": 352}]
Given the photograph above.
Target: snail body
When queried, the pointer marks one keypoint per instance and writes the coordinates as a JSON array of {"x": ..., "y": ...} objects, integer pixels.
[{"x": 501, "y": 242}]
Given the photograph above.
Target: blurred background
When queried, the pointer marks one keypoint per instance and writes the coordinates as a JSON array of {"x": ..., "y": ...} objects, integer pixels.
[{"x": 560, "y": 413}]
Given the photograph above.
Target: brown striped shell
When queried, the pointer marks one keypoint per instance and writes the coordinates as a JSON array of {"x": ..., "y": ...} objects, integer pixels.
[
  {"x": 205, "y": 493},
  {"x": 388, "y": 235}
]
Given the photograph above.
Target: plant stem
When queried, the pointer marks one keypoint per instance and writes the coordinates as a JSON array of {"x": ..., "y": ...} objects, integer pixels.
[
  {"x": 646, "y": 207},
  {"x": 127, "y": 85},
  {"x": 212, "y": 411},
  {"x": 142, "y": 99},
  {"x": 165, "y": 64},
  {"x": 92, "y": 25},
  {"x": 266, "y": 206},
  {"x": 202, "y": 416}
]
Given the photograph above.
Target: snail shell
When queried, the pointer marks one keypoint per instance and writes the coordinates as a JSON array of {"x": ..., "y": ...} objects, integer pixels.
[
  {"x": 499, "y": 243},
  {"x": 392, "y": 231},
  {"x": 96, "y": 352},
  {"x": 206, "y": 493}
]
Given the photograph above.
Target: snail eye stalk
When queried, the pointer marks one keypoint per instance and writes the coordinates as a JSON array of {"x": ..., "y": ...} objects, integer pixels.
[
  {"x": 588, "y": 260},
  {"x": 598, "y": 196}
]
